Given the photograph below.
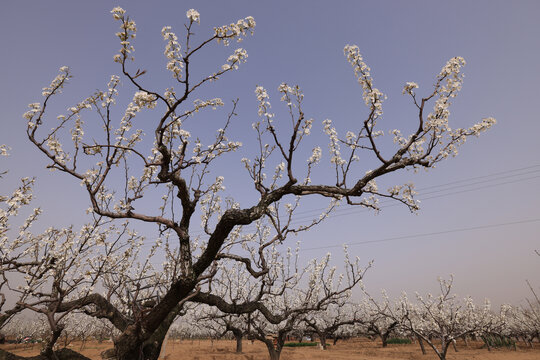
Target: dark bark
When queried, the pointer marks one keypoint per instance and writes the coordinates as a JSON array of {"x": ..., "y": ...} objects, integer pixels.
[
  {"x": 322, "y": 338},
  {"x": 374, "y": 329},
  {"x": 273, "y": 351},
  {"x": 238, "y": 338},
  {"x": 325, "y": 332},
  {"x": 238, "y": 335},
  {"x": 105, "y": 309},
  {"x": 62, "y": 354},
  {"x": 421, "y": 342},
  {"x": 48, "y": 349},
  {"x": 384, "y": 338},
  {"x": 244, "y": 308}
]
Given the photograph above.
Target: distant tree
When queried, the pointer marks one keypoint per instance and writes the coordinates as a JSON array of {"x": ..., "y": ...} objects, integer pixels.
[
  {"x": 280, "y": 301},
  {"x": 376, "y": 321},
  {"x": 326, "y": 324},
  {"x": 438, "y": 320}
]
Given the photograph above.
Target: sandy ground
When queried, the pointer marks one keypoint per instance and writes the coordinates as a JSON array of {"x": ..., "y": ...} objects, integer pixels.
[{"x": 357, "y": 349}]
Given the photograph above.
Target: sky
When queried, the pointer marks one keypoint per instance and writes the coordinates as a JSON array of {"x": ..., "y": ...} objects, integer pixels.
[{"x": 479, "y": 217}]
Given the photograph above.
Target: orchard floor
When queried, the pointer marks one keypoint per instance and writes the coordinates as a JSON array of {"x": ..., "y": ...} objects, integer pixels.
[{"x": 355, "y": 349}]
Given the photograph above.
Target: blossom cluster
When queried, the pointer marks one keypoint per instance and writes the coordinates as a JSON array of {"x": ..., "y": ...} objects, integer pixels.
[
  {"x": 236, "y": 30},
  {"x": 449, "y": 82},
  {"x": 35, "y": 108},
  {"x": 334, "y": 143},
  {"x": 193, "y": 16},
  {"x": 128, "y": 31},
  {"x": 57, "y": 83},
  {"x": 4, "y": 150},
  {"x": 211, "y": 202},
  {"x": 373, "y": 97},
  {"x": 240, "y": 56},
  {"x": 409, "y": 87},
  {"x": 142, "y": 99},
  {"x": 316, "y": 155},
  {"x": 201, "y": 104},
  {"x": 56, "y": 149},
  {"x": 172, "y": 52},
  {"x": 264, "y": 104}
]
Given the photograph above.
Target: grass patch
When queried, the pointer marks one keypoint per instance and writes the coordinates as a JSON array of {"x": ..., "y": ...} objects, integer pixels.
[
  {"x": 300, "y": 344},
  {"x": 398, "y": 341}
]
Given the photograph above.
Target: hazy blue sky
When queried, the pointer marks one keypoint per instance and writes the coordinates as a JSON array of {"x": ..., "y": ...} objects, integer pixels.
[{"x": 301, "y": 42}]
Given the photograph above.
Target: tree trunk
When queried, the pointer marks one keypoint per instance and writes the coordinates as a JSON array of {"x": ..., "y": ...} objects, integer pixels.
[
  {"x": 238, "y": 337},
  {"x": 273, "y": 351},
  {"x": 487, "y": 341},
  {"x": 128, "y": 347},
  {"x": 62, "y": 354},
  {"x": 131, "y": 345},
  {"x": 134, "y": 348},
  {"x": 48, "y": 349},
  {"x": 384, "y": 338},
  {"x": 421, "y": 342},
  {"x": 322, "y": 338},
  {"x": 444, "y": 348}
]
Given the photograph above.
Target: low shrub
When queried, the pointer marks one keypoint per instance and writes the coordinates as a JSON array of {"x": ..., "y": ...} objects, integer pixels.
[
  {"x": 498, "y": 341},
  {"x": 300, "y": 344},
  {"x": 398, "y": 341}
]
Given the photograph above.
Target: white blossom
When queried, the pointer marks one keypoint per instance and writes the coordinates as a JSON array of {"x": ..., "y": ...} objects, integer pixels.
[{"x": 193, "y": 16}]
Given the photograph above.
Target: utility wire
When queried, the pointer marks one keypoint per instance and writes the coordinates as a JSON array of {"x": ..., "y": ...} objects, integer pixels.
[
  {"x": 391, "y": 203},
  {"x": 394, "y": 238},
  {"x": 487, "y": 176},
  {"x": 422, "y": 190},
  {"x": 420, "y": 235}
]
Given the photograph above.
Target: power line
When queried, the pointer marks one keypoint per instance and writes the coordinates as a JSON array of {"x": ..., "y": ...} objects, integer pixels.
[
  {"x": 412, "y": 236},
  {"x": 492, "y": 176},
  {"x": 317, "y": 211},
  {"x": 394, "y": 238},
  {"x": 487, "y": 176},
  {"x": 346, "y": 212},
  {"x": 391, "y": 203},
  {"x": 420, "y": 235}
]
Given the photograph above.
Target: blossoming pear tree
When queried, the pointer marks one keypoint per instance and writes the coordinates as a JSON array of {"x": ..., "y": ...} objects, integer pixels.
[
  {"x": 279, "y": 301},
  {"x": 14, "y": 246},
  {"x": 375, "y": 322},
  {"x": 119, "y": 169},
  {"x": 438, "y": 320},
  {"x": 42, "y": 272},
  {"x": 335, "y": 317}
]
